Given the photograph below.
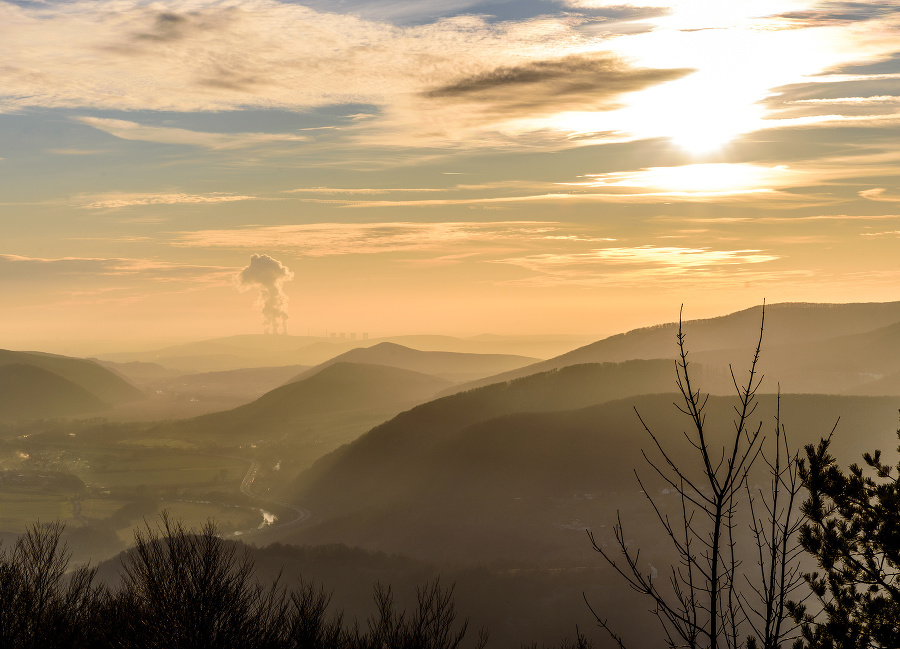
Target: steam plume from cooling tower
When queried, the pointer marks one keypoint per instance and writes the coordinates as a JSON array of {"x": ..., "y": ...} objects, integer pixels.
[{"x": 268, "y": 275}]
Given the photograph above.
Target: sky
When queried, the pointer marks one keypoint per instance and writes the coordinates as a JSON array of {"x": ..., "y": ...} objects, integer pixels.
[{"x": 190, "y": 169}]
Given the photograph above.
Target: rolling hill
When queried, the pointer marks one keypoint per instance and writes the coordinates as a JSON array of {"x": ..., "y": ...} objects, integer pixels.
[
  {"x": 787, "y": 325},
  {"x": 244, "y": 384},
  {"x": 400, "y": 442},
  {"x": 316, "y": 414},
  {"x": 31, "y": 392},
  {"x": 522, "y": 486},
  {"x": 839, "y": 365},
  {"x": 236, "y": 352},
  {"x": 453, "y": 366},
  {"x": 99, "y": 381}
]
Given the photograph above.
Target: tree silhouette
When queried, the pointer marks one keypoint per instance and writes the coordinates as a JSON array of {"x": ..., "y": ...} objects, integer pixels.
[
  {"x": 853, "y": 531},
  {"x": 40, "y": 604},
  {"x": 703, "y": 603}
]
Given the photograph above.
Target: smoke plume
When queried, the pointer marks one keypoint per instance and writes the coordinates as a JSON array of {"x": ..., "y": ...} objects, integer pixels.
[{"x": 268, "y": 275}]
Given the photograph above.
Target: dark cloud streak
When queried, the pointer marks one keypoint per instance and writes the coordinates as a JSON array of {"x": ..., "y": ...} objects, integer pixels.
[
  {"x": 839, "y": 13},
  {"x": 569, "y": 83}
]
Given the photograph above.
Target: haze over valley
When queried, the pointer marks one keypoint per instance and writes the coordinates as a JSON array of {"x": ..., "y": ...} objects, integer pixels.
[
  {"x": 389, "y": 451},
  {"x": 334, "y": 325}
]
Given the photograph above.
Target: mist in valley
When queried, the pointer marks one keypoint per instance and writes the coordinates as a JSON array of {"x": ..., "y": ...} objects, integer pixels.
[
  {"x": 383, "y": 324},
  {"x": 392, "y": 465}
]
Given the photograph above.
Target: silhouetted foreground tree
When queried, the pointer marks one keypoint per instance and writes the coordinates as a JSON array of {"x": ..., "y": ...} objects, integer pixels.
[
  {"x": 430, "y": 626},
  {"x": 702, "y": 602},
  {"x": 40, "y": 605},
  {"x": 853, "y": 531},
  {"x": 193, "y": 590}
]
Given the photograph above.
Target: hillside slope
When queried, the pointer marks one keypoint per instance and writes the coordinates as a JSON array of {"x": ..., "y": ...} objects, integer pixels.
[
  {"x": 521, "y": 486},
  {"x": 453, "y": 366},
  {"x": 30, "y": 392},
  {"x": 235, "y": 352},
  {"x": 104, "y": 384},
  {"x": 786, "y": 324},
  {"x": 838, "y": 365},
  {"x": 400, "y": 442},
  {"x": 327, "y": 409}
]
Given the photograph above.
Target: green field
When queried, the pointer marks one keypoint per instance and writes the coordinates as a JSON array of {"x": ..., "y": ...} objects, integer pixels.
[
  {"x": 157, "y": 469},
  {"x": 18, "y": 510}
]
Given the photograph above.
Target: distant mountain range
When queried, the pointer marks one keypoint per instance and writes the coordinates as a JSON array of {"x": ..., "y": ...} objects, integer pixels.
[
  {"x": 382, "y": 458},
  {"x": 797, "y": 338},
  {"x": 453, "y": 366},
  {"x": 28, "y": 391},
  {"x": 532, "y": 452},
  {"x": 246, "y": 384},
  {"x": 236, "y": 352},
  {"x": 317, "y": 413},
  {"x": 37, "y": 385},
  {"x": 516, "y": 486}
]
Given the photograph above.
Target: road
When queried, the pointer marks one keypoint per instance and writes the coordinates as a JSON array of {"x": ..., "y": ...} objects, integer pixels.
[{"x": 247, "y": 482}]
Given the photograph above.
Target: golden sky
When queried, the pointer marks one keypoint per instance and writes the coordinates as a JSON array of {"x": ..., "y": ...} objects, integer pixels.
[{"x": 460, "y": 167}]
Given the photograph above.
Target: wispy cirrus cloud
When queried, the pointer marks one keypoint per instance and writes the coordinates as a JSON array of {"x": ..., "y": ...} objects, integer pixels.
[
  {"x": 887, "y": 233},
  {"x": 114, "y": 201},
  {"x": 363, "y": 190},
  {"x": 701, "y": 183},
  {"x": 769, "y": 196},
  {"x": 469, "y": 187},
  {"x": 326, "y": 239},
  {"x": 127, "y": 130},
  {"x": 880, "y": 194},
  {"x": 22, "y": 269},
  {"x": 638, "y": 265},
  {"x": 852, "y": 101}
]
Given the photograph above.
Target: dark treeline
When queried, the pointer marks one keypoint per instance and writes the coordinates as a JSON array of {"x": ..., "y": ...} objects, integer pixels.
[
  {"x": 185, "y": 589},
  {"x": 181, "y": 588}
]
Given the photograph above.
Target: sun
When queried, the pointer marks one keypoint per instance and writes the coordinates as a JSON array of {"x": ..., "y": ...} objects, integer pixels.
[{"x": 698, "y": 114}]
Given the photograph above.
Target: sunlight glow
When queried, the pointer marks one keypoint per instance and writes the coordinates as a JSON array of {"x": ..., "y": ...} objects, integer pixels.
[
  {"x": 713, "y": 177},
  {"x": 740, "y": 52}
]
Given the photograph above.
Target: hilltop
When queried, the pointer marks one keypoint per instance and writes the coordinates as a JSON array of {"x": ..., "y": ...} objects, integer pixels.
[{"x": 453, "y": 366}]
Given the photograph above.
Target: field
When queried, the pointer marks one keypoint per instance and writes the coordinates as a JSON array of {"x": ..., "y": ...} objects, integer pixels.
[{"x": 110, "y": 481}]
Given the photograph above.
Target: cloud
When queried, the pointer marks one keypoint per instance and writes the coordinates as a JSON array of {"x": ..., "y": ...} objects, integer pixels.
[
  {"x": 778, "y": 219},
  {"x": 617, "y": 10},
  {"x": 671, "y": 257},
  {"x": 701, "y": 178},
  {"x": 327, "y": 239},
  {"x": 199, "y": 55},
  {"x": 17, "y": 268},
  {"x": 78, "y": 151},
  {"x": 889, "y": 233},
  {"x": 639, "y": 265},
  {"x": 702, "y": 183},
  {"x": 363, "y": 190},
  {"x": 839, "y": 13},
  {"x": 456, "y": 81},
  {"x": 118, "y": 201},
  {"x": 589, "y": 197},
  {"x": 575, "y": 82},
  {"x": 268, "y": 275},
  {"x": 880, "y": 194},
  {"x": 875, "y": 99},
  {"x": 552, "y": 81},
  {"x": 126, "y": 130},
  {"x": 395, "y": 10}
]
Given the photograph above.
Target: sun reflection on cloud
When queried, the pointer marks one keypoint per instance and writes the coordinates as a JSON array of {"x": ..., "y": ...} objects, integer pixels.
[
  {"x": 740, "y": 53},
  {"x": 711, "y": 177}
]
